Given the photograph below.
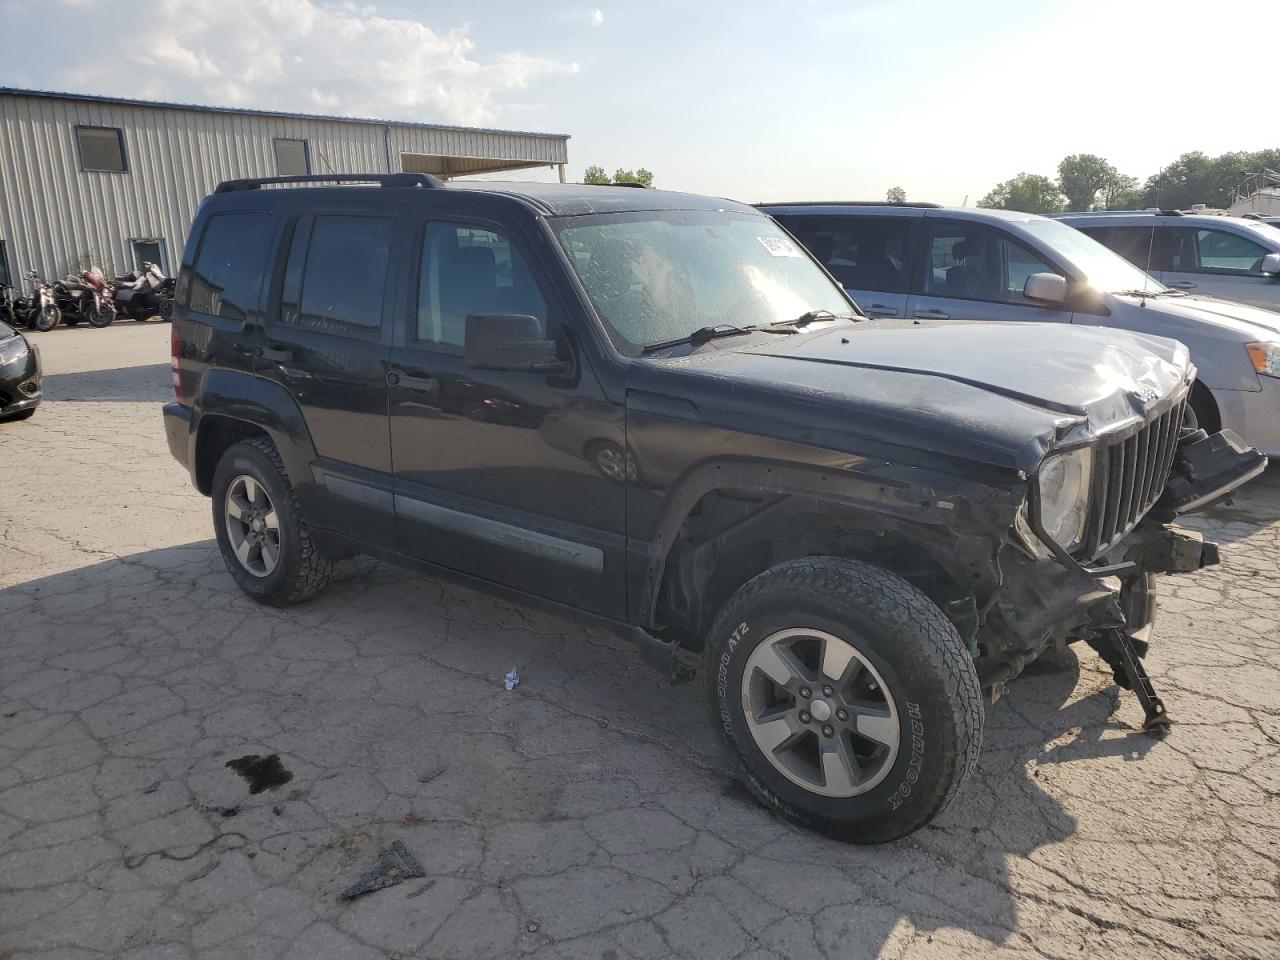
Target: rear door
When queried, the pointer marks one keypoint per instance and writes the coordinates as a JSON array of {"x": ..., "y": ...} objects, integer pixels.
[
  {"x": 1132, "y": 243},
  {"x": 1215, "y": 262},
  {"x": 327, "y": 341},
  {"x": 972, "y": 271},
  {"x": 866, "y": 254}
]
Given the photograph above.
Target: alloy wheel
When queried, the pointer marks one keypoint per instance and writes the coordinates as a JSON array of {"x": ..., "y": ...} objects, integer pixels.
[
  {"x": 820, "y": 712},
  {"x": 253, "y": 528}
]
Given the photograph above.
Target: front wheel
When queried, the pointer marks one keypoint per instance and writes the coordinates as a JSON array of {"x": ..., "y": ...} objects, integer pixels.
[
  {"x": 261, "y": 534},
  {"x": 47, "y": 318},
  {"x": 102, "y": 316},
  {"x": 845, "y": 697}
]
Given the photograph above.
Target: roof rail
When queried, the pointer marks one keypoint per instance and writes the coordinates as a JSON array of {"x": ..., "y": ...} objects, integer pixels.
[
  {"x": 382, "y": 179},
  {"x": 855, "y": 203},
  {"x": 1149, "y": 211}
]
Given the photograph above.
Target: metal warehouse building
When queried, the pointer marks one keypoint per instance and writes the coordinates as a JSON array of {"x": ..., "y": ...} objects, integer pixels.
[{"x": 88, "y": 180}]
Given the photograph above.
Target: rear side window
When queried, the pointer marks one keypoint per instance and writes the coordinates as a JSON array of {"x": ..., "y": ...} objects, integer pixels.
[
  {"x": 1132, "y": 243},
  {"x": 226, "y": 279},
  {"x": 336, "y": 278},
  {"x": 471, "y": 270},
  {"x": 863, "y": 253}
]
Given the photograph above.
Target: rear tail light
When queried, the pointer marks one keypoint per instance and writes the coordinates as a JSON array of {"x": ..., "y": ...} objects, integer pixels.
[{"x": 175, "y": 351}]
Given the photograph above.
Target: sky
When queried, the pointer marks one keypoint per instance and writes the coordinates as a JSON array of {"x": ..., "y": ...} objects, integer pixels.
[{"x": 758, "y": 101}]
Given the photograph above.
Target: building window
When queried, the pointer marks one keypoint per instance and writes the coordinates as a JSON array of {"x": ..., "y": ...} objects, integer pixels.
[
  {"x": 148, "y": 251},
  {"x": 101, "y": 148},
  {"x": 292, "y": 158}
]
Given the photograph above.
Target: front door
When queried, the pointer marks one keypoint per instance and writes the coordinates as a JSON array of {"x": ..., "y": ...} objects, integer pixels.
[
  {"x": 514, "y": 477},
  {"x": 971, "y": 271},
  {"x": 327, "y": 341},
  {"x": 1215, "y": 263}
]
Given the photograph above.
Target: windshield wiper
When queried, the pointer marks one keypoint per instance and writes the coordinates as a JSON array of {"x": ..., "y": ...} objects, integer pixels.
[
  {"x": 809, "y": 316},
  {"x": 699, "y": 337}
]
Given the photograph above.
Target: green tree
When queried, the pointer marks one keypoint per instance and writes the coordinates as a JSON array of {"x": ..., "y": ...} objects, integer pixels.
[
  {"x": 896, "y": 195},
  {"x": 641, "y": 176},
  {"x": 1082, "y": 177},
  {"x": 1027, "y": 192},
  {"x": 595, "y": 175},
  {"x": 1121, "y": 193}
]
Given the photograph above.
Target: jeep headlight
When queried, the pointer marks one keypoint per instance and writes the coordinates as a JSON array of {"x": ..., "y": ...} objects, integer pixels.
[
  {"x": 1064, "y": 495},
  {"x": 1265, "y": 357}
]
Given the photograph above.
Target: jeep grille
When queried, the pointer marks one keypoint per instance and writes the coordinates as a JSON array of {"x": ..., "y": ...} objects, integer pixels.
[{"x": 1128, "y": 477}]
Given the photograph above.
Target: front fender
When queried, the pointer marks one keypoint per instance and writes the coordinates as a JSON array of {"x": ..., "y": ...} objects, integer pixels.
[{"x": 958, "y": 521}]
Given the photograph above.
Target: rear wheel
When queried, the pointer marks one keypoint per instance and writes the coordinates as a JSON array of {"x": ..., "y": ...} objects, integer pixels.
[
  {"x": 261, "y": 534},
  {"x": 845, "y": 697}
]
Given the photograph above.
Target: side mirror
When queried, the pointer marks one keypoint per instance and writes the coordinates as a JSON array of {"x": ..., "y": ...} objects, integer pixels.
[
  {"x": 1271, "y": 263},
  {"x": 509, "y": 341},
  {"x": 1045, "y": 288}
]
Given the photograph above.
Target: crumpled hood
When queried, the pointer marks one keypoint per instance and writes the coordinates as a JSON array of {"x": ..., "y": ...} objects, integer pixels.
[
  {"x": 1001, "y": 394},
  {"x": 1254, "y": 323}
]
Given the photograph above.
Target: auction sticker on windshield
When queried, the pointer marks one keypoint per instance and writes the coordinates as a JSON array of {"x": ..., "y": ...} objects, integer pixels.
[{"x": 779, "y": 246}]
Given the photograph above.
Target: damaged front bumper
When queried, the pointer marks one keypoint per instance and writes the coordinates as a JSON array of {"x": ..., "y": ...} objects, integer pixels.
[{"x": 1047, "y": 603}]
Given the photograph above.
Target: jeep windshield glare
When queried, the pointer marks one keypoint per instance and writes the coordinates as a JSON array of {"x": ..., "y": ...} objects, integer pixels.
[
  {"x": 657, "y": 277},
  {"x": 1105, "y": 270}
]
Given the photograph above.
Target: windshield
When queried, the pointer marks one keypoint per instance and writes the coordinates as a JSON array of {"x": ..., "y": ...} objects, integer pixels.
[
  {"x": 1104, "y": 269},
  {"x": 1266, "y": 234},
  {"x": 660, "y": 275}
]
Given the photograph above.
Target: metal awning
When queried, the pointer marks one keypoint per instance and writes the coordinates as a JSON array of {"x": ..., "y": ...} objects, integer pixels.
[{"x": 449, "y": 166}]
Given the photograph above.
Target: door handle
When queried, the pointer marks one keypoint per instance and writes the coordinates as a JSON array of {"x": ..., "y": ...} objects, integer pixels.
[
  {"x": 933, "y": 315},
  {"x": 422, "y": 384},
  {"x": 880, "y": 310},
  {"x": 1182, "y": 284},
  {"x": 276, "y": 353}
]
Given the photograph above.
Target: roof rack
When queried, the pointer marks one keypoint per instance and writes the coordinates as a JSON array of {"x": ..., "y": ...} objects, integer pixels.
[
  {"x": 382, "y": 179},
  {"x": 856, "y": 203}
]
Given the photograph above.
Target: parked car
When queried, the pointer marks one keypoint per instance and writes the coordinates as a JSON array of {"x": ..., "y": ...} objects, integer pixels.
[
  {"x": 1233, "y": 258},
  {"x": 922, "y": 261},
  {"x": 20, "y": 392},
  {"x": 871, "y": 522}
]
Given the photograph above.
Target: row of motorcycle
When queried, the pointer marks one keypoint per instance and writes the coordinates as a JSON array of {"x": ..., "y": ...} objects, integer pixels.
[{"x": 89, "y": 297}]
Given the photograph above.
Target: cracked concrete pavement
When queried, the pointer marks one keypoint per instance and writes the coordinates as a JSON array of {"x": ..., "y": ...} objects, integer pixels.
[{"x": 586, "y": 814}]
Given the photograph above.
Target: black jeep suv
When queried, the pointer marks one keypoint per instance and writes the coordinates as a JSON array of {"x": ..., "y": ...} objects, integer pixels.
[{"x": 657, "y": 411}]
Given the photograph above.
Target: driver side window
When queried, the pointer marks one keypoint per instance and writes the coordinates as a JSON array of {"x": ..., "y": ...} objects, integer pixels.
[
  {"x": 470, "y": 270},
  {"x": 969, "y": 262}
]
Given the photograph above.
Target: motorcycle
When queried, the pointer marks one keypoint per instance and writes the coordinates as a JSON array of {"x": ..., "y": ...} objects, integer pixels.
[
  {"x": 85, "y": 296},
  {"x": 7, "y": 314},
  {"x": 144, "y": 294},
  {"x": 38, "y": 311}
]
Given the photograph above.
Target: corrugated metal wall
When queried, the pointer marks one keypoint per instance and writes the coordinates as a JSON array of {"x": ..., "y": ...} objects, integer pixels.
[{"x": 53, "y": 215}]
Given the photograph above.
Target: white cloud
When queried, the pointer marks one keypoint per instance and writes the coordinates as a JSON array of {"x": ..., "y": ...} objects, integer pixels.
[
  {"x": 296, "y": 55},
  {"x": 597, "y": 17}
]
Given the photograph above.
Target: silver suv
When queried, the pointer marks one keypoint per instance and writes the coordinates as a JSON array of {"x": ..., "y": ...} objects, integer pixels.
[
  {"x": 927, "y": 262},
  {"x": 1230, "y": 257}
]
